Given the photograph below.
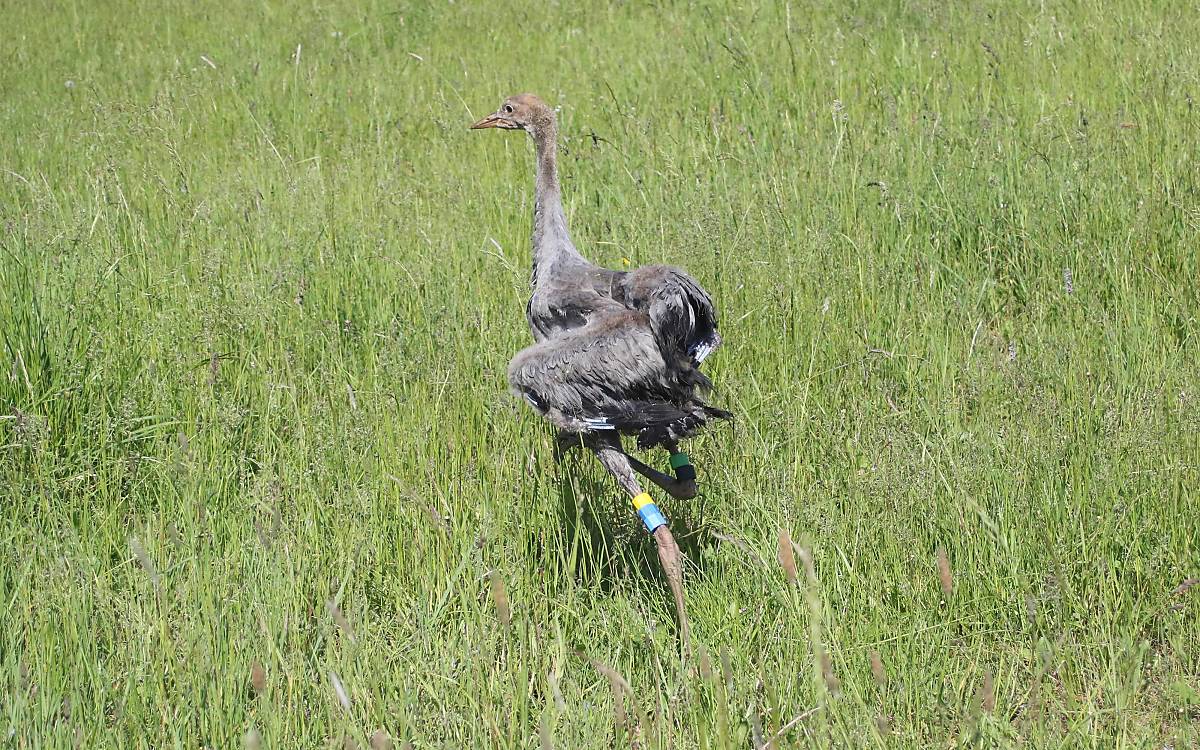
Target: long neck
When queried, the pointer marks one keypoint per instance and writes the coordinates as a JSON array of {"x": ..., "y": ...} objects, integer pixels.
[{"x": 551, "y": 240}]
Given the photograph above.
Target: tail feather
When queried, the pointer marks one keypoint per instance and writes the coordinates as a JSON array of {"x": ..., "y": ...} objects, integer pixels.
[
  {"x": 700, "y": 350},
  {"x": 661, "y": 422},
  {"x": 635, "y": 416},
  {"x": 696, "y": 419}
]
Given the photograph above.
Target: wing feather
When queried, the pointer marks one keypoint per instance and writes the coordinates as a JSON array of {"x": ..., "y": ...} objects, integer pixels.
[
  {"x": 586, "y": 378},
  {"x": 682, "y": 315}
]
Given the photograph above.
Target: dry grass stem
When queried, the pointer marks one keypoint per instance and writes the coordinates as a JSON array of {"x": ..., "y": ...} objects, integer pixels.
[
  {"x": 620, "y": 687},
  {"x": 789, "y": 726}
]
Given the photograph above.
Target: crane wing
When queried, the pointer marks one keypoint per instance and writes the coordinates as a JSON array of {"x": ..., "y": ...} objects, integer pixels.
[
  {"x": 608, "y": 374},
  {"x": 682, "y": 314}
]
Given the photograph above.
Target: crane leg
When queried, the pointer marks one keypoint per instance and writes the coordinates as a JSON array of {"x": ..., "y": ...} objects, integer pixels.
[
  {"x": 617, "y": 463},
  {"x": 680, "y": 489},
  {"x": 681, "y": 465}
]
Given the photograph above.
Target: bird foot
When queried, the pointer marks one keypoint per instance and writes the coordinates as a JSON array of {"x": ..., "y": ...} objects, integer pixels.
[
  {"x": 672, "y": 562},
  {"x": 683, "y": 489},
  {"x": 685, "y": 474},
  {"x": 680, "y": 489}
]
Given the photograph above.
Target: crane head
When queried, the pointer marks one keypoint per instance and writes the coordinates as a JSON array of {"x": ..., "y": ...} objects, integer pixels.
[{"x": 519, "y": 112}]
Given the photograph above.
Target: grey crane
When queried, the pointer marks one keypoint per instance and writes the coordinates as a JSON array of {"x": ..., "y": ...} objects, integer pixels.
[{"x": 615, "y": 352}]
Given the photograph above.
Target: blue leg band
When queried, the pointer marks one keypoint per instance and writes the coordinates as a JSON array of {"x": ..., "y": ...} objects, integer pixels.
[{"x": 652, "y": 517}]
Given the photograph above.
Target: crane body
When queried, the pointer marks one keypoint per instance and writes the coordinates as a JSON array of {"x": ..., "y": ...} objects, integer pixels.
[{"x": 615, "y": 352}]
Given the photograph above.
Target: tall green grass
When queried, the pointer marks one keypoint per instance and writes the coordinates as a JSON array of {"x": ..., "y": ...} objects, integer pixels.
[{"x": 262, "y": 482}]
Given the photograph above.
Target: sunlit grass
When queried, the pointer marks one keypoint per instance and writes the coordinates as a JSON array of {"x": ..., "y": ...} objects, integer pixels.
[{"x": 263, "y": 483}]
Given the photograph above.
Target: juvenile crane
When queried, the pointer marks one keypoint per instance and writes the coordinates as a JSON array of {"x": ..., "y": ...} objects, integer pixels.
[{"x": 616, "y": 352}]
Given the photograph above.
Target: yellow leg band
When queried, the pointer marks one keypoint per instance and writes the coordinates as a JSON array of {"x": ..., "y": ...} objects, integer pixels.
[{"x": 651, "y": 516}]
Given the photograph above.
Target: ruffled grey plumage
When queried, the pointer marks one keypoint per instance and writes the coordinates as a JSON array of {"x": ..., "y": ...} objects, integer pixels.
[{"x": 615, "y": 350}]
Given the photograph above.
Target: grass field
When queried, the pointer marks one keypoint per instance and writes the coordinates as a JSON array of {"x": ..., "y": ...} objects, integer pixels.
[{"x": 262, "y": 481}]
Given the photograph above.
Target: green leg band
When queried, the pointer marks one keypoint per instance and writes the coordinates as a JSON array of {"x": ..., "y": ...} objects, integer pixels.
[{"x": 684, "y": 471}]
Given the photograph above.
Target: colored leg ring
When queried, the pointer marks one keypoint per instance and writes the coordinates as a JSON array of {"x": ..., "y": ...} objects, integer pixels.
[
  {"x": 651, "y": 516},
  {"x": 684, "y": 471}
]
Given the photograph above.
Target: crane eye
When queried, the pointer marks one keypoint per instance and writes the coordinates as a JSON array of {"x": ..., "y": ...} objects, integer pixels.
[{"x": 508, "y": 108}]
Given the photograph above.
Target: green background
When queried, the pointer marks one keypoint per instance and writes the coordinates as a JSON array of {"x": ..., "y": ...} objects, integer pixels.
[{"x": 259, "y": 285}]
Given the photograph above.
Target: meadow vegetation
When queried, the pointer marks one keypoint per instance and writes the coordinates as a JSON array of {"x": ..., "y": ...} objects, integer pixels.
[{"x": 263, "y": 484}]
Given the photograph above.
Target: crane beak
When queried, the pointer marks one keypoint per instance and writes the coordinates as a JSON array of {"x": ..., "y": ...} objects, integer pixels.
[{"x": 496, "y": 120}]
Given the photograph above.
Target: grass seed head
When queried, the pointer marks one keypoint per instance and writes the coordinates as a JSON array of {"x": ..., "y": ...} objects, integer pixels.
[
  {"x": 552, "y": 678},
  {"x": 437, "y": 518},
  {"x": 341, "y": 620},
  {"x": 877, "y": 670},
  {"x": 1185, "y": 587},
  {"x": 545, "y": 737},
  {"x": 339, "y": 690},
  {"x": 787, "y": 558},
  {"x": 620, "y": 719},
  {"x": 500, "y": 599},
  {"x": 706, "y": 670},
  {"x": 756, "y": 730},
  {"x": 727, "y": 668},
  {"x": 620, "y": 687},
  {"x": 264, "y": 538},
  {"x": 944, "y": 574},
  {"x": 252, "y": 740},
  {"x": 985, "y": 697},
  {"x": 258, "y": 678},
  {"x": 806, "y": 559},
  {"x": 144, "y": 560},
  {"x": 832, "y": 683}
]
